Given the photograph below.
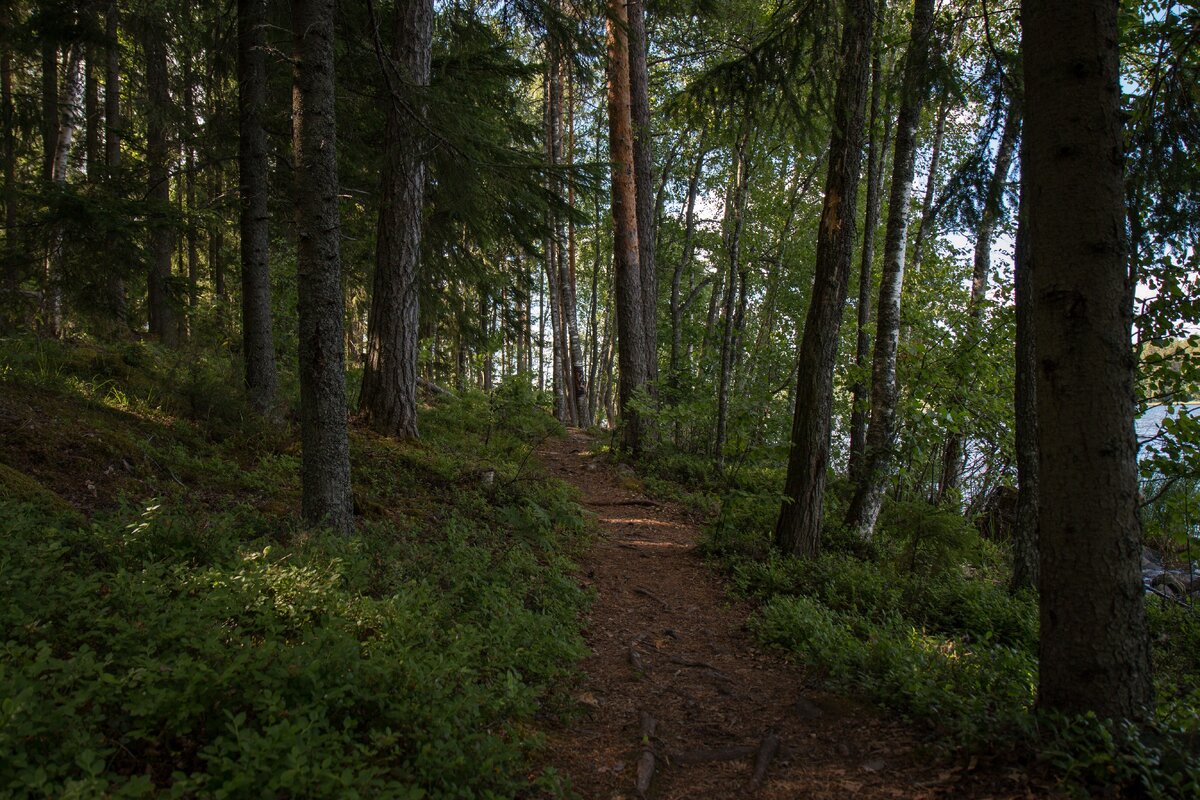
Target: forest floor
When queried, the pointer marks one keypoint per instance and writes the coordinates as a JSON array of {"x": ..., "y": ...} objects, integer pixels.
[{"x": 671, "y": 650}]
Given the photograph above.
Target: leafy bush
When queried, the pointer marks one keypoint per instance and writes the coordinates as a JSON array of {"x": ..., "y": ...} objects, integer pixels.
[
  {"x": 1100, "y": 758},
  {"x": 164, "y": 647},
  {"x": 970, "y": 691}
]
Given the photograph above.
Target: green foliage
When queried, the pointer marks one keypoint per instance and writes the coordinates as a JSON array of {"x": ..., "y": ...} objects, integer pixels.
[
  {"x": 919, "y": 620},
  {"x": 931, "y": 539},
  {"x": 163, "y": 647},
  {"x": 1100, "y": 758},
  {"x": 972, "y": 692}
]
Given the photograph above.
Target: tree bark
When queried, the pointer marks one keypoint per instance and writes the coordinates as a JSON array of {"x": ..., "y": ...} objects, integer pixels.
[
  {"x": 798, "y": 529},
  {"x": 734, "y": 217},
  {"x": 258, "y": 348},
  {"x": 389, "y": 390},
  {"x": 93, "y": 121},
  {"x": 112, "y": 88},
  {"x": 643, "y": 159},
  {"x": 1095, "y": 650},
  {"x": 325, "y": 463},
  {"x": 49, "y": 107},
  {"x": 70, "y": 117},
  {"x": 189, "y": 191},
  {"x": 163, "y": 324},
  {"x": 112, "y": 136},
  {"x": 632, "y": 360},
  {"x": 11, "y": 270},
  {"x": 1025, "y": 549},
  {"x": 859, "y": 392},
  {"x": 868, "y": 494},
  {"x": 684, "y": 263}
]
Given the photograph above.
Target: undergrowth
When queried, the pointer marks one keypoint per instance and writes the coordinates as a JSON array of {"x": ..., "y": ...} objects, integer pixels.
[{"x": 175, "y": 631}]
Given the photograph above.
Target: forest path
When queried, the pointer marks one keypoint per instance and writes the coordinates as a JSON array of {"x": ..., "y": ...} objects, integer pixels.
[{"x": 667, "y": 641}]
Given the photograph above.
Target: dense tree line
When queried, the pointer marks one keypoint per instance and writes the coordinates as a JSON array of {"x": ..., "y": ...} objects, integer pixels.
[{"x": 652, "y": 213}]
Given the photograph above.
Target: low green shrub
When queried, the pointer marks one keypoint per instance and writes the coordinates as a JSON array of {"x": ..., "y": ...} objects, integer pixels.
[
  {"x": 972, "y": 692},
  {"x": 195, "y": 639},
  {"x": 1100, "y": 758}
]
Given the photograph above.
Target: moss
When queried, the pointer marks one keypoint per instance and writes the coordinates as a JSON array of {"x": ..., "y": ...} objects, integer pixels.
[{"x": 18, "y": 487}]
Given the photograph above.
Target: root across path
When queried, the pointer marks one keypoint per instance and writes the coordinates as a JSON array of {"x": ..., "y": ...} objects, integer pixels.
[{"x": 677, "y": 700}]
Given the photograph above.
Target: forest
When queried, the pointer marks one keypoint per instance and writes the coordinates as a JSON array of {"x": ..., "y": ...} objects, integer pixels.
[{"x": 552, "y": 398}]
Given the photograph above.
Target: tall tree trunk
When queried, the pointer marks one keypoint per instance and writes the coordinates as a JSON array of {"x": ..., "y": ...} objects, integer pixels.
[
  {"x": 564, "y": 402},
  {"x": 49, "y": 125},
  {"x": 216, "y": 250},
  {"x": 49, "y": 107},
  {"x": 112, "y": 136},
  {"x": 485, "y": 330},
  {"x": 325, "y": 463},
  {"x": 258, "y": 347},
  {"x": 868, "y": 494},
  {"x": 684, "y": 264},
  {"x": 163, "y": 324},
  {"x": 1095, "y": 651},
  {"x": 714, "y": 313},
  {"x": 631, "y": 320},
  {"x": 798, "y": 529},
  {"x": 92, "y": 119},
  {"x": 594, "y": 326},
  {"x": 859, "y": 392},
  {"x": 11, "y": 270},
  {"x": 189, "y": 191},
  {"x": 71, "y": 116},
  {"x": 643, "y": 170},
  {"x": 734, "y": 217},
  {"x": 389, "y": 389},
  {"x": 1025, "y": 550},
  {"x": 541, "y": 336},
  {"x": 578, "y": 375},
  {"x": 993, "y": 208}
]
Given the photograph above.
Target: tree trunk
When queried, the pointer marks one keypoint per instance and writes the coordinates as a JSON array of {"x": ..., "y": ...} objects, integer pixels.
[
  {"x": 567, "y": 266},
  {"x": 643, "y": 170},
  {"x": 868, "y": 494},
  {"x": 258, "y": 347},
  {"x": 564, "y": 400},
  {"x": 632, "y": 360},
  {"x": 1095, "y": 651},
  {"x": 684, "y": 264},
  {"x": 1025, "y": 549},
  {"x": 163, "y": 324},
  {"x": 993, "y": 207},
  {"x": 734, "y": 217},
  {"x": 859, "y": 392},
  {"x": 189, "y": 192},
  {"x": 91, "y": 109},
  {"x": 112, "y": 136},
  {"x": 49, "y": 107},
  {"x": 389, "y": 390},
  {"x": 112, "y": 87},
  {"x": 11, "y": 270},
  {"x": 798, "y": 529},
  {"x": 325, "y": 467},
  {"x": 71, "y": 116},
  {"x": 216, "y": 248}
]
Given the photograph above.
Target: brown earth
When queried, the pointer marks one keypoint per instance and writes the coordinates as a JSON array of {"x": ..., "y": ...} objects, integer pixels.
[{"x": 669, "y": 645}]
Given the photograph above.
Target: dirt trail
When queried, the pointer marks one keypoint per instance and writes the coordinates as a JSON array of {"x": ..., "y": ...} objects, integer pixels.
[{"x": 666, "y": 641}]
